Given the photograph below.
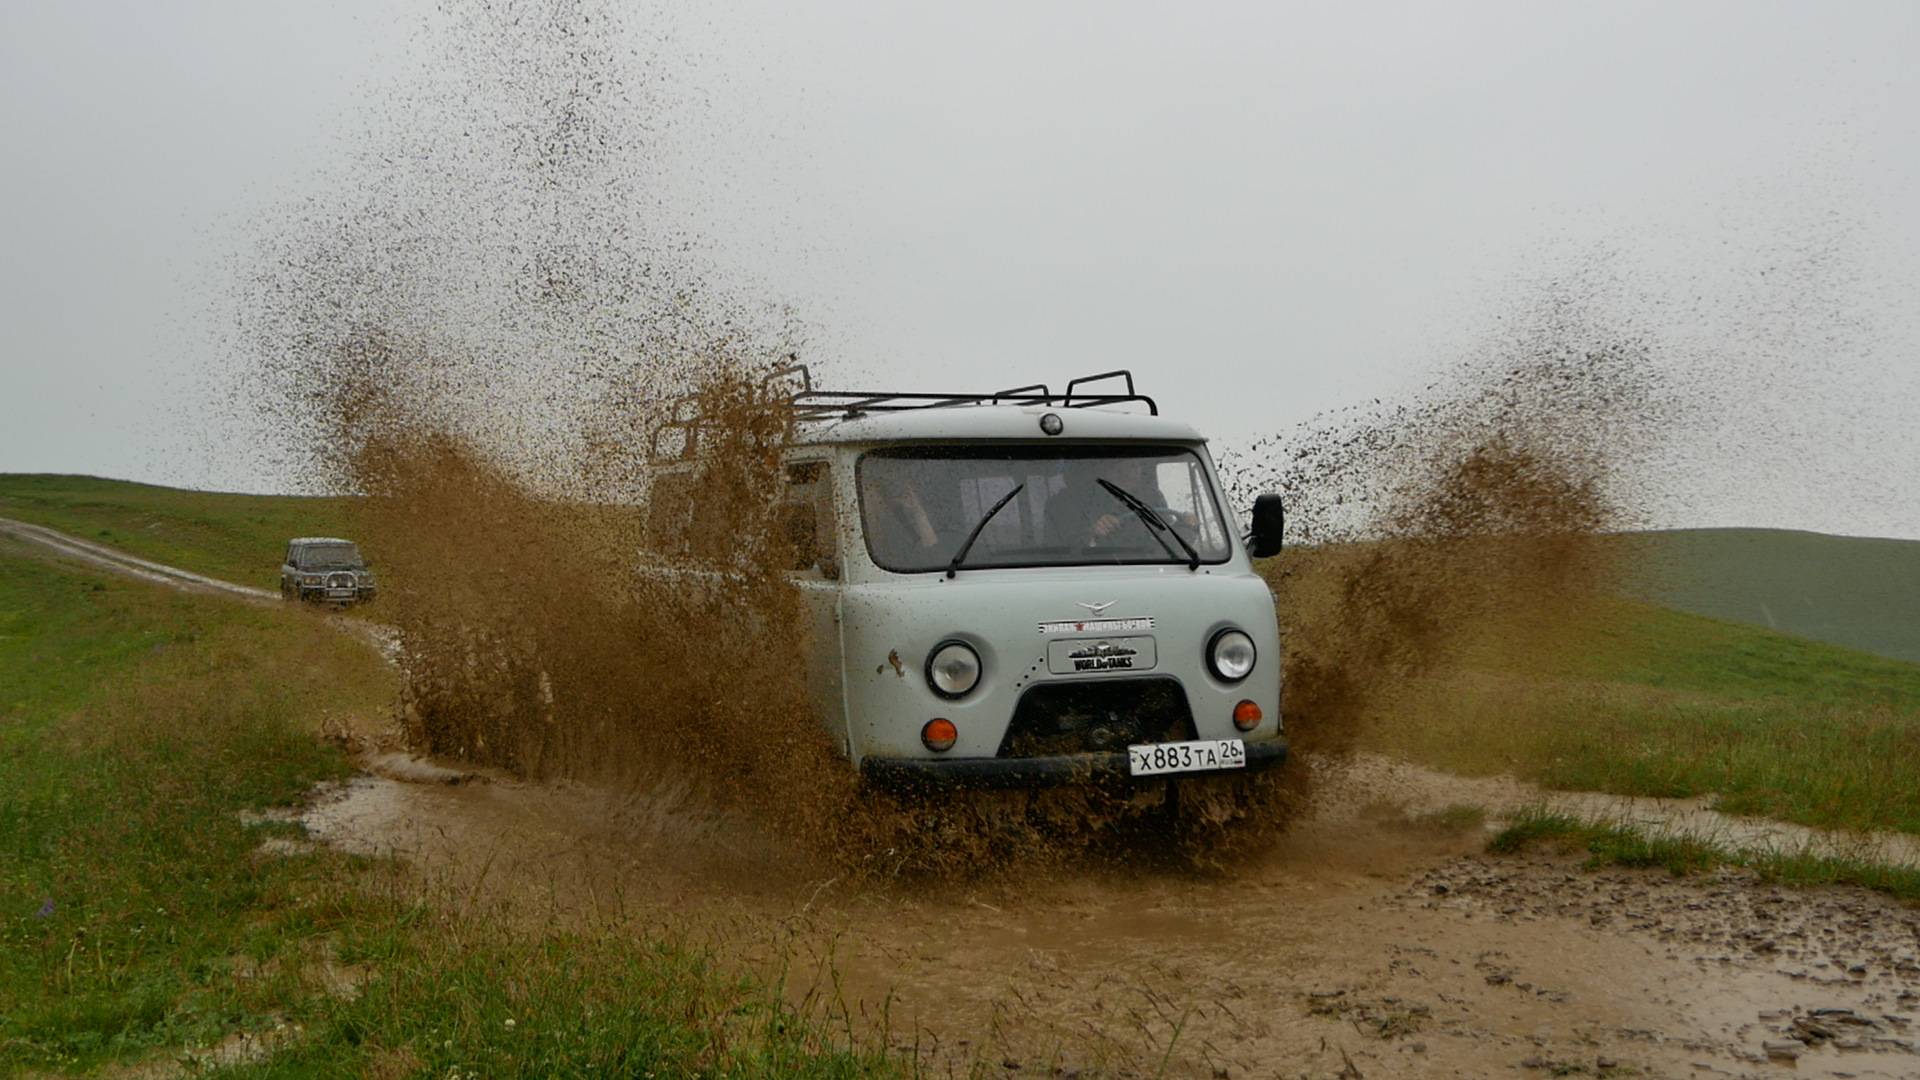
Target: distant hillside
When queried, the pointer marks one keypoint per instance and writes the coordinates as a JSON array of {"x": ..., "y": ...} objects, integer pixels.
[{"x": 1851, "y": 591}]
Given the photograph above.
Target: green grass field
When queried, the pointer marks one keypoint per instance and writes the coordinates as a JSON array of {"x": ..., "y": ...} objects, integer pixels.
[
  {"x": 238, "y": 538},
  {"x": 1664, "y": 703},
  {"x": 140, "y": 921},
  {"x": 1856, "y": 592}
]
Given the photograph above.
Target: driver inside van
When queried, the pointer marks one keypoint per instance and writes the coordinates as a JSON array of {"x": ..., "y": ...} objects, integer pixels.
[{"x": 1085, "y": 514}]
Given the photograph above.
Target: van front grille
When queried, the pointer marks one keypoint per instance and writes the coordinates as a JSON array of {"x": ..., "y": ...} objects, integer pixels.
[{"x": 1096, "y": 715}]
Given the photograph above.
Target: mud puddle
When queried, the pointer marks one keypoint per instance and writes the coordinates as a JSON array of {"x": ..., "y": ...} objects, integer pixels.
[{"x": 1370, "y": 942}]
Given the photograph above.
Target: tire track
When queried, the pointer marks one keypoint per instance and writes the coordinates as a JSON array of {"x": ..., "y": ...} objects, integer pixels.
[
  {"x": 120, "y": 562},
  {"x": 384, "y": 639}
]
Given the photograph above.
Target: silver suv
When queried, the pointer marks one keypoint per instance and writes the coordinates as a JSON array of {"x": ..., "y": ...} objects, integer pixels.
[{"x": 323, "y": 568}]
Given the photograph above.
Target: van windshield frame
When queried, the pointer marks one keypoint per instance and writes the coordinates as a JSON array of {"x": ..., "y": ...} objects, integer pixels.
[{"x": 919, "y": 502}]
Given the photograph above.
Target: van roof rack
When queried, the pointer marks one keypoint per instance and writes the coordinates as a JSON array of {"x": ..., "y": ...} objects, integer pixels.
[
  {"x": 811, "y": 404},
  {"x": 814, "y": 404}
]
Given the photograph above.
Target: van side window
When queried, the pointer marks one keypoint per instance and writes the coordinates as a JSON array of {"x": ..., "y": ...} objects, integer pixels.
[
  {"x": 670, "y": 513},
  {"x": 808, "y": 518}
]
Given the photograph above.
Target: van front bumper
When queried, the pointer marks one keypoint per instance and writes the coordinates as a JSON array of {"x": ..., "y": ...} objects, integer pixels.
[{"x": 907, "y": 775}]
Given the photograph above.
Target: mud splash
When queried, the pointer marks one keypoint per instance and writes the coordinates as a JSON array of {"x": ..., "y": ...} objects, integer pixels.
[
  {"x": 484, "y": 335},
  {"x": 540, "y": 399},
  {"x": 484, "y": 332},
  {"x": 537, "y": 644},
  {"x": 1464, "y": 524}
]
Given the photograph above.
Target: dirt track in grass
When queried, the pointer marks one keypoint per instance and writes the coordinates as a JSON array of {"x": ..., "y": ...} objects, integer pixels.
[{"x": 1370, "y": 941}]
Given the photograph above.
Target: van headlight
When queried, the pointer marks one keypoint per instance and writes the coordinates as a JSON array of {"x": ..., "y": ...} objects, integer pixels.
[
  {"x": 953, "y": 669},
  {"x": 1230, "y": 655}
]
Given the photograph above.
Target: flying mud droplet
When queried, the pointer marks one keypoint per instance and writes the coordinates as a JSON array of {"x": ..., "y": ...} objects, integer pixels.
[
  {"x": 1473, "y": 520},
  {"x": 481, "y": 333}
]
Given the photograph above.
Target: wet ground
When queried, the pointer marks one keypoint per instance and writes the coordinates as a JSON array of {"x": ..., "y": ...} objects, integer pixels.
[{"x": 1372, "y": 941}]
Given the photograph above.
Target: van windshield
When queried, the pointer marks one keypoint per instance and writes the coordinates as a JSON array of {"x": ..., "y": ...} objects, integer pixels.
[{"x": 920, "y": 503}]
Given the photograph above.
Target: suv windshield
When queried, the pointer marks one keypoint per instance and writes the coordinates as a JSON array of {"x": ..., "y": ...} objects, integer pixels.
[
  {"x": 919, "y": 504},
  {"x": 329, "y": 557}
]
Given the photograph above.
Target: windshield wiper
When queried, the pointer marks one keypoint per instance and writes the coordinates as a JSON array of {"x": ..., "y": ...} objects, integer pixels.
[
  {"x": 1153, "y": 522},
  {"x": 954, "y": 566}
]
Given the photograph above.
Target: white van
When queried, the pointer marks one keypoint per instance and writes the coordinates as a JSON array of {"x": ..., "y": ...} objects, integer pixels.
[{"x": 1024, "y": 589}]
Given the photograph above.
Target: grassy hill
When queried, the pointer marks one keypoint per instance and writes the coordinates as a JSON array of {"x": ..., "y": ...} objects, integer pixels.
[
  {"x": 1669, "y": 704},
  {"x": 237, "y": 538},
  {"x": 1856, "y": 592}
]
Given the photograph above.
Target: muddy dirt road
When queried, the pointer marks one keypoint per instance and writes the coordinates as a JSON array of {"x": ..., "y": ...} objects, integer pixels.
[
  {"x": 113, "y": 560},
  {"x": 1367, "y": 944}
]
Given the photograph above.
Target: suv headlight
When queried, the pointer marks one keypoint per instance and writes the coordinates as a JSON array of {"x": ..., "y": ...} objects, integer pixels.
[
  {"x": 1230, "y": 655},
  {"x": 953, "y": 669}
]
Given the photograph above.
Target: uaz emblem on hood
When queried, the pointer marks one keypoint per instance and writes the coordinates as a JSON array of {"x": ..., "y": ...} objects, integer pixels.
[{"x": 1099, "y": 609}]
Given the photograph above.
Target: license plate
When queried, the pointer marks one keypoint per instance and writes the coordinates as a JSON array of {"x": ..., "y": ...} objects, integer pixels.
[{"x": 1153, "y": 759}]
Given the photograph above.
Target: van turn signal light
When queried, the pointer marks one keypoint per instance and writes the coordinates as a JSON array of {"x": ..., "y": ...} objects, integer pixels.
[
  {"x": 1246, "y": 716},
  {"x": 939, "y": 734}
]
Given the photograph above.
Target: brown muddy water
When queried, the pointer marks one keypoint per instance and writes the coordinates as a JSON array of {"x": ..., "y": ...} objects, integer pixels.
[{"x": 1371, "y": 941}]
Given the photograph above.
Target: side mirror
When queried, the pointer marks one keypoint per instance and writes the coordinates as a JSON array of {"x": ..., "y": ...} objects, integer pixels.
[{"x": 1269, "y": 522}]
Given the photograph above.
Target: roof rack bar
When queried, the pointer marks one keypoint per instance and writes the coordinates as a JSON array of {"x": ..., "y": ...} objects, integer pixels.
[
  {"x": 1018, "y": 390},
  {"x": 793, "y": 366},
  {"x": 819, "y": 404},
  {"x": 1118, "y": 373},
  {"x": 810, "y": 404}
]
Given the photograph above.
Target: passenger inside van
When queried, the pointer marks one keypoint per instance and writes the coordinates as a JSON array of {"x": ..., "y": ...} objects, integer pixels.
[{"x": 904, "y": 517}]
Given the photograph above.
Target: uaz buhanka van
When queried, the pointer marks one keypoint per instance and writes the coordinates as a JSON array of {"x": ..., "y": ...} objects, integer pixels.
[{"x": 1024, "y": 589}]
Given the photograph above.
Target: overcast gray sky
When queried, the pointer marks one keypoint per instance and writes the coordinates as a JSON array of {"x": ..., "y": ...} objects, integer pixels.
[{"x": 1266, "y": 210}]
